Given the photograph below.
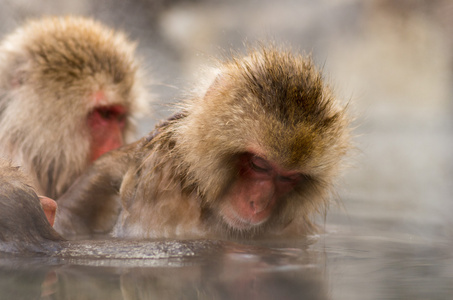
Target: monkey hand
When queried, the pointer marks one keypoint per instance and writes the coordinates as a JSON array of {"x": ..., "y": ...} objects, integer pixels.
[{"x": 50, "y": 208}]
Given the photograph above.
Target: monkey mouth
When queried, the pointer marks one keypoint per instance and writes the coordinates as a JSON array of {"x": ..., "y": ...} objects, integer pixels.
[{"x": 234, "y": 220}]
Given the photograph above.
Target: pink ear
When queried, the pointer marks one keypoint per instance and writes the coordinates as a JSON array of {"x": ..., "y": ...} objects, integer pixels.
[{"x": 50, "y": 208}]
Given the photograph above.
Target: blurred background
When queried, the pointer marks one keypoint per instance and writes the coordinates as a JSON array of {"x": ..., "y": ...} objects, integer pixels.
[{"x": 392, "y": 60}]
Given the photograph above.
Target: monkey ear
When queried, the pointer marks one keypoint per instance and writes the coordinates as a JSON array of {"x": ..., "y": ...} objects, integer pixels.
[{"x": 50, "y": 208}]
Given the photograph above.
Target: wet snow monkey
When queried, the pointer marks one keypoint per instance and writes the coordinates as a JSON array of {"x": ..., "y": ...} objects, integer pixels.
[{"x": 254, "y": 154}]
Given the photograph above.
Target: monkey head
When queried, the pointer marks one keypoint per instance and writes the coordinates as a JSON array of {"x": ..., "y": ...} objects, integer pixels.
[
  {"x": 264, "y": 143},
  {"x": 70, "y": 88}
]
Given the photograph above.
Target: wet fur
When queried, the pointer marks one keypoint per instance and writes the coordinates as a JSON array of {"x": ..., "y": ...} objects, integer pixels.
[
  {"x": 270, "y": 101},
  {"x": 23, "y": 225}
]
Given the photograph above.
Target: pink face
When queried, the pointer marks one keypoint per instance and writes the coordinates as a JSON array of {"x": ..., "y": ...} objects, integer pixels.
[
  {"x": 106, "y": 125},
  {"x": 257, "y": 191}
]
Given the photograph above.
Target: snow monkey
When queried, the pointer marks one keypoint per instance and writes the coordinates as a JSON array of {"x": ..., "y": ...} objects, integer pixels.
[
  {"x": 253, "y": 155},
  {"x": 69, "y": 90}
]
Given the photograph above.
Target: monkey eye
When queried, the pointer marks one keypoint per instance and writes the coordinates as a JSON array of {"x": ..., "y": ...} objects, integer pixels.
[
  {"x": 106, "y": 113},
  {"x": 111, "y": 113},
  {"x": 292, "y": 178},
  {"x": 259, "y": 165}
]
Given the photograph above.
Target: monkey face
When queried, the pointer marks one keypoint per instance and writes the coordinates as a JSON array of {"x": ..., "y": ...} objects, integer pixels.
[
  {"x": 106, "y": 124},
  {"x": 257, "y": 192}
]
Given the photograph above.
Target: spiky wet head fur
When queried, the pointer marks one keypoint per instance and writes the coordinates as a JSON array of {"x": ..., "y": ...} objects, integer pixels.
[
  {"x": 271, "y": 103},
  {"x": 50, "y": 70}
]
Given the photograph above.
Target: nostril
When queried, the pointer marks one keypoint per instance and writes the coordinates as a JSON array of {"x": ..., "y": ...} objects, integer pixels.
[
  {"x": 258, "y": 206},
  {"x": 252, "y": 205}
]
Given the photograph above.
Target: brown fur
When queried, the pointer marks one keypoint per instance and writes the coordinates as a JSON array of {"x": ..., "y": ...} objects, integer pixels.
[
  {"x": 50, "y": 69},
  {"x": 272, "y": 102}
]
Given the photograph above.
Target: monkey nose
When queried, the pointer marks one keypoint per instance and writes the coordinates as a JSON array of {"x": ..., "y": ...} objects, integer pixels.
[{"x": 258, "y": 206}]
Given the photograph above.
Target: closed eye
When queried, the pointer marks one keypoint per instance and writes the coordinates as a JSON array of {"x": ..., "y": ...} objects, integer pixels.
[
  {"x": 259, "y": 165},
  {"x": 112, "y": 113},
  {"x": 293, "y": 178},
  {"x": 106, "y": 114}
]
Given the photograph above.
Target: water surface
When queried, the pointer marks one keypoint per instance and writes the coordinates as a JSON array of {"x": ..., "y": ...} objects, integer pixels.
[{"x": 328, "y": 266}]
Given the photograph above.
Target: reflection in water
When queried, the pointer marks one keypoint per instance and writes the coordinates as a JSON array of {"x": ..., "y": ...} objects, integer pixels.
[
  {"x": 245, "y": 275},
  {"x": 226, "y": 271},
  {"x": 332, "y": 267}
]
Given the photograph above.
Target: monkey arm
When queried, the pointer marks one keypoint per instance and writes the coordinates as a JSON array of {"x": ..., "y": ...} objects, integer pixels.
[{"x": 91, "y": 205}]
